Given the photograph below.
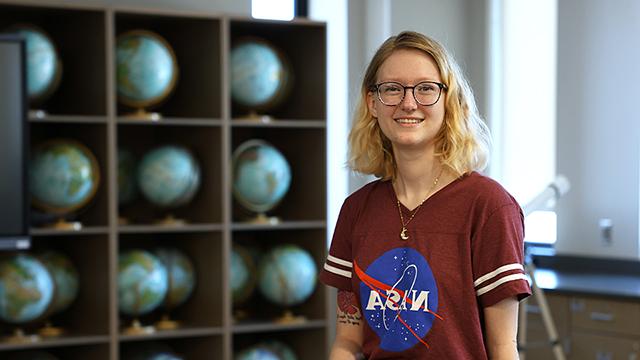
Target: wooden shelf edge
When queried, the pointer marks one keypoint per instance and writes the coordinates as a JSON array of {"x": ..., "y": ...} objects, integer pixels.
[
  {"x": 87, "y": 230},
  {"x": 285, "y": 123},
  {"x": 170, "y": 121},
  {"x": 285, "y": 225},
  {"x": 136, "y": 229},
  {"x": 261, "y": 327},
  {"x": 57, "y": 342},
  {"x": 174, "y": 334}
]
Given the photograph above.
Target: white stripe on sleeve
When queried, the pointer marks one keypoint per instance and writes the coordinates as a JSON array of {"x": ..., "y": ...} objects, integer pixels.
[
  {"x": 499, "y": 282},
  {"x": 337, "y": 271},
  {"x": 338, "y": 261},
  {"x": 498, "y": 271}
]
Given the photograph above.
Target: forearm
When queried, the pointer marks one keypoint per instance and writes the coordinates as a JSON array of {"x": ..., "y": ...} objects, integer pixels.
[
  {"x": 344, "y": 349},
  {"x": 504, "y": 352}
]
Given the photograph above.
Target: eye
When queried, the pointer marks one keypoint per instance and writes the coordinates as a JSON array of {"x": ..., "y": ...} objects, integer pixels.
[
  {"x": 426, "y": 88},
  {"x": 391, "y": 89}
]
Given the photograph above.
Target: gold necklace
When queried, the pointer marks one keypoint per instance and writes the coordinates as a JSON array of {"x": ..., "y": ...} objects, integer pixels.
[{"x": 403, "y": 233}]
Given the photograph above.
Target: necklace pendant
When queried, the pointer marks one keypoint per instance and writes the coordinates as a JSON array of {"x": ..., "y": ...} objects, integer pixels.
[{"x": 403, "y": 234}]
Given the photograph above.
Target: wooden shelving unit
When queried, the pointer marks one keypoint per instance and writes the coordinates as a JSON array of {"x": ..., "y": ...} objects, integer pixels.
[{"x": 200, "y": 116}]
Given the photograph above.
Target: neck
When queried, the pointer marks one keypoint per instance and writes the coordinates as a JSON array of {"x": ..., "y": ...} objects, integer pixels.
[{"x": 415, "y": 176}]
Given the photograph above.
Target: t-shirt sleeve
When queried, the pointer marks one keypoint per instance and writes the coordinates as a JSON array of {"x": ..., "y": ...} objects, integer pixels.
[
  {"x": 498, "y": 254},
  {"x": 338, "y": 266}
]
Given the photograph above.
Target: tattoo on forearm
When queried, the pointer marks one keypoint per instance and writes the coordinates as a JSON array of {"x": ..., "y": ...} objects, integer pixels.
[{"x": 348, "y": 308}]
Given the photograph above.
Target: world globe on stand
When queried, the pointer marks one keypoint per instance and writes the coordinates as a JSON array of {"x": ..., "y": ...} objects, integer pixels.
[
  {"x": 44, "y": 68},
  {"x": 65, "y": 279},
  {"x": 146, "y": 67},
  {"x": 284, "y": 351},
  {"x": 127, "y": 186},
  {"x": 181, "y": 278},
  {"x": 27, "y": 288},
  {"x": 260, "y": 75},
  {"x": 257, "y": 352},
  {"x": 287, "y": 275},
  {"x": 168, "y": 176},
  {"x": 261, "y": 176},
  {"x": 142, "y": 282},
  {"x": 63, "y": 176},
  {"x": 243, "y": 277}
]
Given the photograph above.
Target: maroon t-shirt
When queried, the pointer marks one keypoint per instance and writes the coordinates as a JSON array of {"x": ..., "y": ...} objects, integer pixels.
[{"x": 422, "y": 298}]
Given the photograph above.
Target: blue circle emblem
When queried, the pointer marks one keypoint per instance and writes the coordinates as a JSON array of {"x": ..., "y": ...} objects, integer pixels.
[{"x": 399, "y": 298}]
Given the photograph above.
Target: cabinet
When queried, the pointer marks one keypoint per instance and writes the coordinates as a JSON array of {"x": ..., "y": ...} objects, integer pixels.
[
  {"x": 589, "y": 327},
  {"x": 200, "y": 116}
]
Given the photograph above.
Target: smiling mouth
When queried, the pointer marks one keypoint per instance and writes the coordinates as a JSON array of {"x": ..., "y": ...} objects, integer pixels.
[{"x": 409, "y": 121}]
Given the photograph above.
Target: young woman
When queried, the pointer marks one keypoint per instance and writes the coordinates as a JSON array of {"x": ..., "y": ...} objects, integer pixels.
[{"x": 427, "y": 259}]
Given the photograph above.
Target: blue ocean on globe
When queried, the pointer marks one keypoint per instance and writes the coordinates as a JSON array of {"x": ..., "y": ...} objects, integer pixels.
[
  {"x": 261, "y": 175},
  {"x": 65, "y": 279},
  {"x": 146, "y": 67},
  {"x": 258, "y": 75},
  {"x": 256, "y": 353},
  {"x": 63, "y": 176},
  {"x": 284, "y": 351},
  {"x": 43, "y": 64},
  {"x": 142, "y": 282},
  {"x": 287, "y": 275},
  {"x": 26, "y": 288},
  {"x": 169, "y": 176}
]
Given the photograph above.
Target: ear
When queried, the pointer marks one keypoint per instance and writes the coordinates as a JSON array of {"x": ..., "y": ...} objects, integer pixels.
[{"x": 371, "y": 103}]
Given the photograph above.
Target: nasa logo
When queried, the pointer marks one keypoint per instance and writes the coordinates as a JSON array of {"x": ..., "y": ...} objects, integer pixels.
[{"x": 399, "y": 297}]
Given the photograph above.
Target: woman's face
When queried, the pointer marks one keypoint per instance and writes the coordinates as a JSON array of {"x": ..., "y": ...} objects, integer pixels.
[{"x": 408, "y": 124}]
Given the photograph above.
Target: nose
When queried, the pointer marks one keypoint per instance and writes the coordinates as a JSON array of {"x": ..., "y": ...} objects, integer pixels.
[{"x": 409, "y": 101}]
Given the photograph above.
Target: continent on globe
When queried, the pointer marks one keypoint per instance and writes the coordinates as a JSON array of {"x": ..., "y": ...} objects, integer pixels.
[{"x": 287, "y": 275}]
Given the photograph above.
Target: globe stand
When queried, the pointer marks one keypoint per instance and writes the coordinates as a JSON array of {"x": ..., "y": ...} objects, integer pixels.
[
  {"x": 288, "y": 318},
  {"x": 136, "y": 328},
  {"x": 170, "y": 220},
  {"x": 19, "y": 337},
  {"x": 37, "y": 114},
  {"x": 51, "y": 331},
  {"x": 62, "y": 224},
  {"x": 263, "y": 219},
  {"x": 166, "y": 323},
  {"x": 142, "y": 114},
  {"x": 255, "y": 117}
]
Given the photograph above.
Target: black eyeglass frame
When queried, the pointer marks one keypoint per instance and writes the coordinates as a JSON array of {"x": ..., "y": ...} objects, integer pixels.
[{"x": 440, "y": 85}]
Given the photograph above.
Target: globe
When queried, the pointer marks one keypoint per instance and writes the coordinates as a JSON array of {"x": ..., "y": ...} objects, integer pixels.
[
  {"x": 33, "y": 355},
  {"x": 260, "y": 75},
  {"x": 127, "y": 186},
  {"x": 152, "y": 351},
  {"x": 279, "y": 348},
  {"x": 287, "y": 275},
  {"x": 26, "y": 288},
  {"x": 63, "y": 176},
  {"x": 242, "y": 275},
  {"x": 65, "y": 279},
  {"x": 146, "y": 66},
  {"x": 261, "y": 175},
  {"x": 257, "y": 352},
  {"x": 168, "y": 176},
  {"x": 44, "y": 68},
  {"x": 182, "y": 275},
  {"x": 142, "y": 282}
]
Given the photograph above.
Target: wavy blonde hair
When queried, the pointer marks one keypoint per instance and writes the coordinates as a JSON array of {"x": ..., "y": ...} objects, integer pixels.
[{"x": 463, "y": 142}]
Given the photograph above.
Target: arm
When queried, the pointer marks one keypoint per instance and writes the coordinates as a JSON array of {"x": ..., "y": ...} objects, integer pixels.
[
  {"x": 501, "y": 328},
  {"x": 348, "y": 342}
]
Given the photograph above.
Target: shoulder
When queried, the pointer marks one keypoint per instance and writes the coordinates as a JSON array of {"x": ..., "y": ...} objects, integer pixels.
[
  {"x": 485, "y": 193},
  {"x": 372, "y": 191}
]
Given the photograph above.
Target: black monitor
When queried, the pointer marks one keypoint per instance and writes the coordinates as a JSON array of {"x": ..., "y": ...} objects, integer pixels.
[{"x": 14, "y": 145}]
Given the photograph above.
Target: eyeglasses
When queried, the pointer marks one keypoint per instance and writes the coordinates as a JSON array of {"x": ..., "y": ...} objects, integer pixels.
[{"x": 426, "y": 93}]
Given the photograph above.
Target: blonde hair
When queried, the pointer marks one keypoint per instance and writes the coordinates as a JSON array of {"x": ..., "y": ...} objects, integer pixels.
[{"x": 463, "y": 141}]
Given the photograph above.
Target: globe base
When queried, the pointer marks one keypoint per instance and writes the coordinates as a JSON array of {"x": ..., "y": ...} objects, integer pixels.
[
  {"x": 136, "y": 328},
  {"x": 167, "y": 324},
  {"x": 255, "y": 117},
  {"x": 19, "y": 337},
  {"x": 51, "y": 331},
  {"x": 62, "y": 224},
  {"x": 263, "y": 219},
  {"x": 170, "y": 220},
  {"x": 37, "y": 114},
  {"x": 142, "y": 114},
  {"x": 289, "y": 318}
]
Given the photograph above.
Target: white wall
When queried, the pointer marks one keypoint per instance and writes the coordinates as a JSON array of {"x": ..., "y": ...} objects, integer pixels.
[{"x": 599, "y": 125}]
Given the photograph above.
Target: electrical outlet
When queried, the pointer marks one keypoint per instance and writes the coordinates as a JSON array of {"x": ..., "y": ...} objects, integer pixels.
[{"x": 606, "y": 231}]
